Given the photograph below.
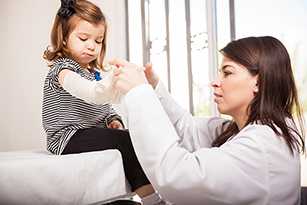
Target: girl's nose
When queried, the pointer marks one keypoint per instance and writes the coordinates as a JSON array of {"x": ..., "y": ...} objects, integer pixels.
[{"x": 91, "y": 45}]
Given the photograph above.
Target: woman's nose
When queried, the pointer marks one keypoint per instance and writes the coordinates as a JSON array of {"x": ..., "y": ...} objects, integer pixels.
[{"x": 216, "y": 83}]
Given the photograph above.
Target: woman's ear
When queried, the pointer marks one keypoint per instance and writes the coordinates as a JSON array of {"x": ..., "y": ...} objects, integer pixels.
[{"x": 256, "y": 83}]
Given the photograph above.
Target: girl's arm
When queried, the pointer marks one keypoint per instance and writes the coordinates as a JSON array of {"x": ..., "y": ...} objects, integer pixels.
[{"x": 97, "y": 92}]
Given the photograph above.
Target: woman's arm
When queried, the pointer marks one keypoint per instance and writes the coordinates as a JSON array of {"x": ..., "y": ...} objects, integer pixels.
[
  {"x": 189, "y": 128},
  {"x": 234, "y": 173}
]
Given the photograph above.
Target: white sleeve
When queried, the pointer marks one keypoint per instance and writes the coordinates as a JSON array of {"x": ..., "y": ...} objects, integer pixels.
[
  {"x": 97, "y": 92},
  {"x": 232, "y": 174},
  {"x": 188, "y": 127}
]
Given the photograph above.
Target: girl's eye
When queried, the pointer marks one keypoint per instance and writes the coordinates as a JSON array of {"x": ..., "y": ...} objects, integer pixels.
[
  {"x": 99, "y": 42},
  {"x": 82, "y": 39}
]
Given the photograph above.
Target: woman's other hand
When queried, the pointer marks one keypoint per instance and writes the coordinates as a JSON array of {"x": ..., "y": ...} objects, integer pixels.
[
  {"x": 127, "y": 76},
  {"x": 151, "y": 76}
]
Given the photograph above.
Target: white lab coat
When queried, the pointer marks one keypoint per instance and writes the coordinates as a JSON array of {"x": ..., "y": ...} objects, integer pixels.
[{"x": 255, "y": 167}]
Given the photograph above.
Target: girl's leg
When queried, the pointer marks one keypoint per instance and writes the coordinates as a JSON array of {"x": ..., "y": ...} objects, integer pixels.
[{"x": 95, "y": 139}]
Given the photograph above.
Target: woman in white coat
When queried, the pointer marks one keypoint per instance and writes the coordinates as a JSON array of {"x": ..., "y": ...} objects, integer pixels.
[{"x": 252, "y": 159}]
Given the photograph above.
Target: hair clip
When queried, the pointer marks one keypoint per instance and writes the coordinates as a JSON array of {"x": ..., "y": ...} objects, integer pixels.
[{"x": 67, "y": 9}]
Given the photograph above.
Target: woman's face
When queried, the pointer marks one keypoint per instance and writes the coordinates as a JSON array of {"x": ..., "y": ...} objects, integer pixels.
[
  {"x": 85, "y": 41},
  {"x": 234, "y": 89}
]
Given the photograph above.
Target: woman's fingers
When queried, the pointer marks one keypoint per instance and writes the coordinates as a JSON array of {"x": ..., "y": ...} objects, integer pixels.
[
  {"x": 151, "y": 77},
  {"x": 148, "y": 67},
  {"x": 122, "y": 63},
  {"x": 118, "y": 62},
  {"x": 148, "y": 70},
  {"x": 129, "y": 77}
]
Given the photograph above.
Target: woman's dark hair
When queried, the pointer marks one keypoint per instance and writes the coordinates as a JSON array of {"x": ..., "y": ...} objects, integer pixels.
[
  {"x": 277, "y": 99},
  {"x": 68, "y": 15}
]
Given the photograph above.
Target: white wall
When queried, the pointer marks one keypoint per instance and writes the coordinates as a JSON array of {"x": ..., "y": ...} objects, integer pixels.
[{"x": 25, "y": 30}]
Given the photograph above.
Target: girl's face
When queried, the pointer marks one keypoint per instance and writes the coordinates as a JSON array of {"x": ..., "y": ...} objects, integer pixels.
[
  {"x": 234, "y": 89},
  {"x": 85, "y": 41}
]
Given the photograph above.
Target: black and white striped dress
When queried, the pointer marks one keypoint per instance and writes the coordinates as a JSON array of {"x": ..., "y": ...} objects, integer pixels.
[{"x": 63, "y": 114}]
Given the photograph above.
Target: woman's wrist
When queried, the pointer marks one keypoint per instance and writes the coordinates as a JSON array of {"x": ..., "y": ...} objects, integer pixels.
[{"x": 154, "y": 82}]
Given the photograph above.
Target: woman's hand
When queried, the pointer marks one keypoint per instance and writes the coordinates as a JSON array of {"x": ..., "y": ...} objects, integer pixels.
[
  {"x": 127, "y": 76},
  {"x": 151, "y": 76}
]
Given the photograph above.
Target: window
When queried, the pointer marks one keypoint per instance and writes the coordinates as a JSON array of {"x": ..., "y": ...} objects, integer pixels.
[
  {"x": 181, "y": 38},
  {"x": 287, "y": 22},
  {"x": 173, "y": 35}
]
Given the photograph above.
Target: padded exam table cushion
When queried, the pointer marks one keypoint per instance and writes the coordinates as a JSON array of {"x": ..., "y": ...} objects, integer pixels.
[{"x": 38, "y": 177}]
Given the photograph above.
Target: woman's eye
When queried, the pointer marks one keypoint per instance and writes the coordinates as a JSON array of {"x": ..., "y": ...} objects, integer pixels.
[
  {"x": 99, "y": 42},
  {"x": 226, "y": 73}
]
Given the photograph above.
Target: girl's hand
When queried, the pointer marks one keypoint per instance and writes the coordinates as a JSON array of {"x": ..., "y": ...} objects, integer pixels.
[{"x": 115, "y": 124}]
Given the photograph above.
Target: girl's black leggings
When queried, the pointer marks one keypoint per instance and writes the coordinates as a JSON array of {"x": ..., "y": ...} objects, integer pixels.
[{"x": 95, "y": 139}]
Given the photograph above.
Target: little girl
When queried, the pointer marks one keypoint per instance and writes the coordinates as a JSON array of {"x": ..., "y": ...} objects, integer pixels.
[{"x": 76, "y": 116}]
